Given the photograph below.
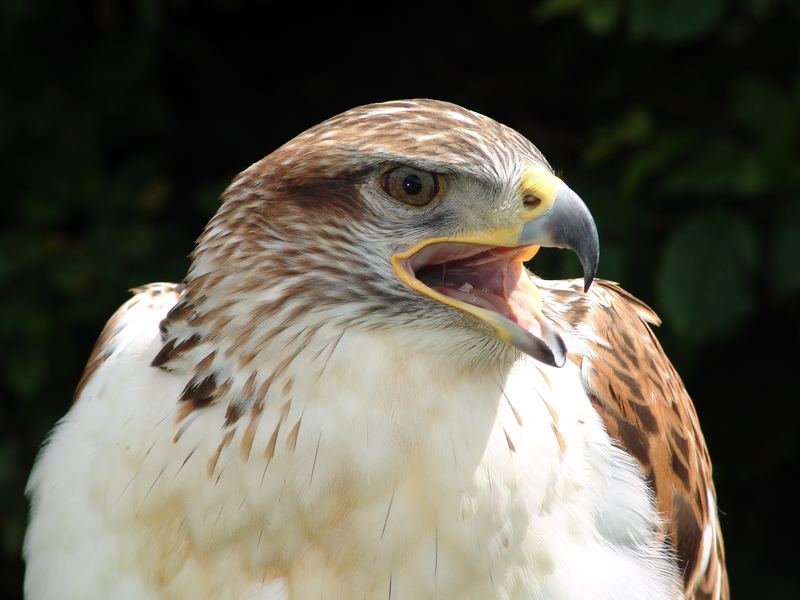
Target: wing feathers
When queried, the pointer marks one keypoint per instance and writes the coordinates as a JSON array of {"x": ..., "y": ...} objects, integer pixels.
[
  {"x": 150, "y": 297},
  {"x": 646, "y": 409}
]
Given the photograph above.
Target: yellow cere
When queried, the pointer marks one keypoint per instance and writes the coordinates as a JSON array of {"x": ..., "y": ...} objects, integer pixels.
[{"x": 541, "y": 184}]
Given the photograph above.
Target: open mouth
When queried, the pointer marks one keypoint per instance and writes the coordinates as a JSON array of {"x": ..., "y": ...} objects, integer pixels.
[
  {"x": 489, "y": 277},
  {"x": 492, "y": 284},
  {"x": 481, "y": 272}
]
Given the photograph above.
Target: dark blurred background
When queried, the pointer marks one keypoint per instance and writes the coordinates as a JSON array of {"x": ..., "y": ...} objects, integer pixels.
[{"x": 121, "y": 123}]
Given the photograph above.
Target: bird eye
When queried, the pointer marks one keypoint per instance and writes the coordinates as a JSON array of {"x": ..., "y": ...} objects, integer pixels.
[
  {"x": 411, "y": 186},
  {"x": 531, "y": 201}
]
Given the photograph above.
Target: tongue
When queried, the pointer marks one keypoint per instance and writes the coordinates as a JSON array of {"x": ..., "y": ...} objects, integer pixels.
[
  {"x": 518, "y": 300},
  {"x": 520, "y": 305},
  {"x": 523, "y": 301},
  {"x": 467, "y": 293}
]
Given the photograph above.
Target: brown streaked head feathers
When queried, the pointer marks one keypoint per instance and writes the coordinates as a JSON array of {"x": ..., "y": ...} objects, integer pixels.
[{"x": 304, "y": 209}]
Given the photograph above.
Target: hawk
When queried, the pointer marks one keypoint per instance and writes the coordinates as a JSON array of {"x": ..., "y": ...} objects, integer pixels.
[{"x": 359, "y": 391}]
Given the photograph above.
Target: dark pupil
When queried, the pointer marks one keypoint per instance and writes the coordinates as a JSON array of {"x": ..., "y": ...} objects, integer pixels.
[{"x": 412, "y": 185}]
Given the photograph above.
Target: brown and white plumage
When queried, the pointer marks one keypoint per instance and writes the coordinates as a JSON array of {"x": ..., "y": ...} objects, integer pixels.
[
  {"x": 646, "y": 409},
  {"x": 359, "y": 392}
]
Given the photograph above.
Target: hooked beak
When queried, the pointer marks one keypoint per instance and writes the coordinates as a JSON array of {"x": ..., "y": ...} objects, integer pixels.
[
  {"x": 569, "y": 225},
  {"x": 482, "y": 272}
]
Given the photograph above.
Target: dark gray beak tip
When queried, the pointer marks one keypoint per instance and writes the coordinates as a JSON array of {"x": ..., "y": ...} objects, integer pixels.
[{"x": 589, "y": 262}]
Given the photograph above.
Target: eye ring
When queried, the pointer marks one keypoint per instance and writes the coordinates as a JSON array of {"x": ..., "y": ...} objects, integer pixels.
[{"x": 411, "y": 186}]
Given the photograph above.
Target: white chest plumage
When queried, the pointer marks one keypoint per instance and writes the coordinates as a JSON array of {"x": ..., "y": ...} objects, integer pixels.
[{"x": 396, "y": 476}]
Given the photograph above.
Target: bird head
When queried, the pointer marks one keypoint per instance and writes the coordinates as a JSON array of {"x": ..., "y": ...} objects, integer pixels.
[{"x": 417, "y": 213}]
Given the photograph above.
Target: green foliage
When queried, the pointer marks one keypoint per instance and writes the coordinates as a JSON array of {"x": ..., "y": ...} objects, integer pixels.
[
  {"x": 677, "y": 121},
  {"x": 705, "y": 278},
  {"x": 784, "y": 250},
  {"x": 658, "y": 20},
  {"x": 673, "y": 20}
]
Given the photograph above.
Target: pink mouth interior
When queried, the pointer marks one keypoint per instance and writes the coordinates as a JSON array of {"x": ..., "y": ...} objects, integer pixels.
[{"x": 485, "y": 276}]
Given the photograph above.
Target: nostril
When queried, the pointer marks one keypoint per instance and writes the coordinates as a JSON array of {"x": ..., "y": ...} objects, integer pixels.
[{"x": 531, "y": 201}]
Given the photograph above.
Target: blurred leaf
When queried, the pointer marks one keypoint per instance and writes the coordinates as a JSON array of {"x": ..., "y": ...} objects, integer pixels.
[
  {"x": 764, "y": 108},
  {"x": 207, "y": 196},
  {"x": 25, "y": 370},
  {"x": 672, "y": 20},
  {"x": 784, "y": 257},
  {"x": 632, "y": 129},
  {"x": 653, "y": 159},
  {"x": 713, "y": 166},
  {"x": 704, "y": 280},
  {"x": 7, "y": 462},
  {"x": 599, "y": 16},
  {"x": 18, "y": 10},
  {"x": 556, "y": 8},
  {"x": 772, "y": 117},
  {"x": 155, "y": 195},
  {"x": 614, "y": 261},
  {"x": 19, "y": 255},
  {"x": 150, "y": 13},
  {"x": 11, "y": 504},
  {"x": 72, "y": 274}
]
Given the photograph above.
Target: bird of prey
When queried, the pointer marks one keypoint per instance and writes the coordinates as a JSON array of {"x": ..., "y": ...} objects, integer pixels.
[{"x": 360, "y": 391}]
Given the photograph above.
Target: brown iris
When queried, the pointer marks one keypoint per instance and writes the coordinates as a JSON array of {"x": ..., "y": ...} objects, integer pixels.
[{"x": 410, "y": 185}]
